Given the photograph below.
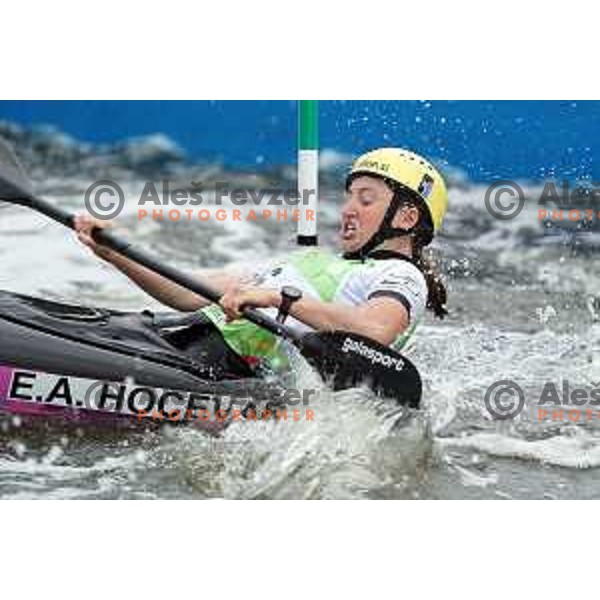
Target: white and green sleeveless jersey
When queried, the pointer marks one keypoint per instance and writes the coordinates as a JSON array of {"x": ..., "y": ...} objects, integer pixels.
[{"x": 330, "y": 278}]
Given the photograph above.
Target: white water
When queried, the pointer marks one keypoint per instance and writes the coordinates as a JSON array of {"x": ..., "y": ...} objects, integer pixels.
[{"x": 521, "y": 310}]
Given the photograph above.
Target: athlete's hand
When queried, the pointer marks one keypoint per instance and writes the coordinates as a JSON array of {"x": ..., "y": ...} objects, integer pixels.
[
  {"x": 84, "y": 225},
  {"x": 237, "y": 297}
]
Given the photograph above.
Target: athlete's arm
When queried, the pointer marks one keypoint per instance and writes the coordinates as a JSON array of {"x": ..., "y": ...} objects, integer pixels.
[
  {"x": 382, "y": 318},
  {"x": 169, "y": 293},
  {"x": 163, "y": 290}
]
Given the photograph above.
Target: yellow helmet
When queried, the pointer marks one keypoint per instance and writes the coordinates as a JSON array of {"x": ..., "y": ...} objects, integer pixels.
[{"x": 410, "y": 171}]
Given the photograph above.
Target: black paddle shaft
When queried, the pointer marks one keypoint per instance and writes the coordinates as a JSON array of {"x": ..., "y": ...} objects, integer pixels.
[{"x": 125, "y": 248}]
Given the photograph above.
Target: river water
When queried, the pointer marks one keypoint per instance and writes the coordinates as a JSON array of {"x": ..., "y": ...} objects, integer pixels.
[{"x": 525, "y": 307}]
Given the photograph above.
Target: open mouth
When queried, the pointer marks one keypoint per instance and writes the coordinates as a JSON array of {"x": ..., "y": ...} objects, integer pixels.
[{"x": 349, "y": 229}]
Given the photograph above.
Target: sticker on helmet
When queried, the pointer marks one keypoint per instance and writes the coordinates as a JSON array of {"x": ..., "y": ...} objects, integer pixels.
[
  {"x": 373, "y": 165},
  {"x": 426, "y": 186}
]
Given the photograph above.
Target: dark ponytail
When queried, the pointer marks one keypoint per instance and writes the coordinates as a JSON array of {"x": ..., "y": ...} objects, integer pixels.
[{"x": 437, "y": 295}]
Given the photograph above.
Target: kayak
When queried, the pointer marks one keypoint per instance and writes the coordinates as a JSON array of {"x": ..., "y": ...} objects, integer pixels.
[
  {"x": 154, "y": 350},
  {"x": 79, "y": 362}
]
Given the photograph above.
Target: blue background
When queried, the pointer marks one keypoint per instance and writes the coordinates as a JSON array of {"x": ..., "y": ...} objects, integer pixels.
[{"x": 487, "y": 139}]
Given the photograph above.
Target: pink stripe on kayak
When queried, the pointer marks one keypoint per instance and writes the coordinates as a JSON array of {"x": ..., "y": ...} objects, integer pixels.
[
  {"x": 17, "y": 406},
  {"x": 14, "y": 406},
  {"x": 5, "y": 379}
]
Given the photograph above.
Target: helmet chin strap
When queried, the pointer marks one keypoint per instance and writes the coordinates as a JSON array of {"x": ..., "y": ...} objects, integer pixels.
[{"x": 385, "y": 232}]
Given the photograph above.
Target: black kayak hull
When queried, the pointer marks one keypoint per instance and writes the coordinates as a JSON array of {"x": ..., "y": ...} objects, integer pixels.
[{"x": 40, "y": 340}]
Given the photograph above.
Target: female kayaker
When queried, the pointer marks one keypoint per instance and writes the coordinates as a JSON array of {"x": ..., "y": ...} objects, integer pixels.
[{"x": 379, "y": 287}]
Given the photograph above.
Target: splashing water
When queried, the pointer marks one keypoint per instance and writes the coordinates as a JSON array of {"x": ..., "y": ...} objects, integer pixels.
[{"x": 523, "y": 307}]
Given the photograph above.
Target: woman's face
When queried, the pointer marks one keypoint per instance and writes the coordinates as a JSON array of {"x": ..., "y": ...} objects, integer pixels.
[{"x": 366, "y": 203}]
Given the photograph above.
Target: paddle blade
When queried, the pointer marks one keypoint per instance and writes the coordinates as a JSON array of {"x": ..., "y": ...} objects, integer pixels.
[
  {"x": 14, "y": 183},
  {"x": 349, "y": 360}
]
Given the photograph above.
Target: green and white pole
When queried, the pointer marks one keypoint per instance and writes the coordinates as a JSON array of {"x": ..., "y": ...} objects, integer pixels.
[{"x": 308, "y": 171}]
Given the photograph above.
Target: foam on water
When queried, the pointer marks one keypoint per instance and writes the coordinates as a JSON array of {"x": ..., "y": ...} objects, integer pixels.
[{"x": 579, "y": 451}]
